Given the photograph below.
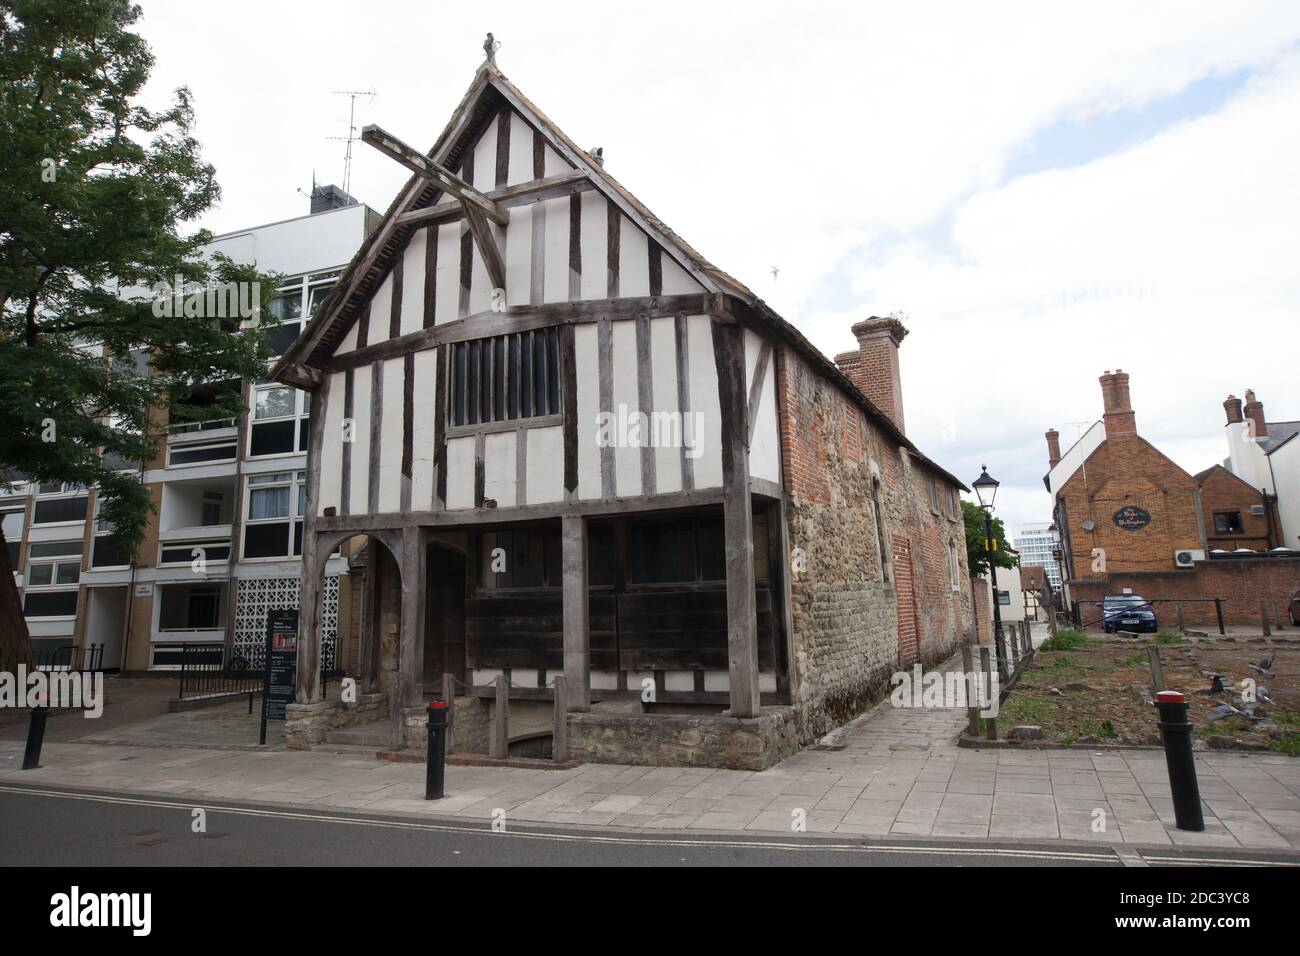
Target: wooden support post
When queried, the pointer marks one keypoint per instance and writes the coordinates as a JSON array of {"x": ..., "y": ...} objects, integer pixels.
[
  {"x": 307, "y": 676},
  {"x": 577, "y": 612},
  {"x": 501, "y": 718},
  {"x": 410, "y": 655},
  {"x": 1263, "y": 619},
  {"x": 1279, "y": 622},
  {"x": 560, "y": 732},
  {"x": 1182, "y": 620},
  {"x": 972, "y": 692},
  {"x": 1157, "y": 671},
  {"x": 986, "y": 664},
  {"x": 742, "y": 625},
  {"x": 449, "y": 695}
]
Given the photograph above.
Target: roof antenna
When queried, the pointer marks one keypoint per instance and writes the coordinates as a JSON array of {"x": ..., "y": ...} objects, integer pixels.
[
  {"x": 490, "y": 47},
  {"x": 352, "y": 133},
  {"x": 774, "y": 270}
]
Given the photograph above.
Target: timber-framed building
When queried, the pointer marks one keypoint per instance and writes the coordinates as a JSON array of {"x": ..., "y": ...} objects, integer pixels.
[{"x": 578, "y": 449}]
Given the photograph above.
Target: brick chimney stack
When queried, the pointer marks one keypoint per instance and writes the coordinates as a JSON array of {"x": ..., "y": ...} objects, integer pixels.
[
  {"x": 875, "y": 370},
  {"x": 1254, "y": 410},
  {"x": 1053, "y": 447},
  {"x": 1119, "y": 417},
  {"x": 1232, "y": 405}
]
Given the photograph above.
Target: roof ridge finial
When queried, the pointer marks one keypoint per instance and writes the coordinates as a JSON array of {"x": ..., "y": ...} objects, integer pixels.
[{"x": 490, "y": 47}]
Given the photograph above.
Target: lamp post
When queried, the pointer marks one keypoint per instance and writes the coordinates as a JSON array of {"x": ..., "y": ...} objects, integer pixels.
[{"x": 986, "y": 485}]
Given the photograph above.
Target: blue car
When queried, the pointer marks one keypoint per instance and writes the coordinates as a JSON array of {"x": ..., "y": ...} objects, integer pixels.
[{"x": 1128, "y": 612}]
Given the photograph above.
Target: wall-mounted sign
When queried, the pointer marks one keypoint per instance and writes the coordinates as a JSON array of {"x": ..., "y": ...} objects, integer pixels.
[
  {"x": 1132, "y": 518},
  {"x": 144, "y": 590}
]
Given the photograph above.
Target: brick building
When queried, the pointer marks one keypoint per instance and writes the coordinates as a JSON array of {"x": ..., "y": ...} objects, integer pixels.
[
  {"x": 1130, "y": 517},
  {"x": 765, "y": 572}
]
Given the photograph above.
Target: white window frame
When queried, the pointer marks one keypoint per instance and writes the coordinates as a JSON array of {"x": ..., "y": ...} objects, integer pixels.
[
  {"x": 301, "y": 411},
  {"x": 67, "y": 489},
  {"x": 54, "y": 562},
  {"x": 297, "y": 483}
]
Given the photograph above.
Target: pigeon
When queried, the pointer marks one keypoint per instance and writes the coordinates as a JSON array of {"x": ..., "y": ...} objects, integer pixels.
[
  {"x": 1265, "y": 666},
  {"x": 1227, "y": 710},
  {"x": 1216, "y": 685}
]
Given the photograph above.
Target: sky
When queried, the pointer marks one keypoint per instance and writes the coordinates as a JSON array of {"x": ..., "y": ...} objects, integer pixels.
[{"x": 1043, "y": 192}]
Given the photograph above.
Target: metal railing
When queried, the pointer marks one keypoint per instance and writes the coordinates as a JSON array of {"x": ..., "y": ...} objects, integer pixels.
[
  {"x": 69, "y": 658},
  {"x": 212, "y": 424},
  {"x": 208, "y": 669}
]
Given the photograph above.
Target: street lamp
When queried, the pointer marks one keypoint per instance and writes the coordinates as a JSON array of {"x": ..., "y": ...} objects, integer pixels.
[{"x": 986, "y": 490}]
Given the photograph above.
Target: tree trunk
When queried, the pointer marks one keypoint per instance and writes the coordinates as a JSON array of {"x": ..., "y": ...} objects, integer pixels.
[{"x": 15, "y": 642}]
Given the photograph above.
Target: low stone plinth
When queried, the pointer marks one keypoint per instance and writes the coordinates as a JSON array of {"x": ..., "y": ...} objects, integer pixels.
[
  {"x": 305, "y": 725},
  {"x": 685, "y": 740},
  {"x": 469, "y": 726}
]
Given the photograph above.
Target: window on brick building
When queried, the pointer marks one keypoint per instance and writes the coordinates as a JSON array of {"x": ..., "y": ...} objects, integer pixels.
[
  {"x": 954, "y": 566},
  {"x": 934, "y": 493},
  {"x": 1228, "y": 522},
  {"x": 880, "y": 530},
  {"x": 954, "y": 509}
]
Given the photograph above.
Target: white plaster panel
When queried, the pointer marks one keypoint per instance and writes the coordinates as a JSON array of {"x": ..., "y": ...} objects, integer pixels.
[
  {"x": 390, "y": 450},
  {"x": 633, "y": 259},
  {"x": 499, "y": 468},
  {"x": 521, "y": 151},
  {"x": 594, "y": 245},
  {"x": 556, "y": 265},
  {"x": 707, "y": 463},
  {"x": 422, "y": 447},
  {"x": 586, "y": 351},
  {"x": 663, "y": 361},
  {"x": 447, "y": 293},
  {"x": 519, "y": 254},
  {"x": 359, "y": 494},
  {"x": 460, "y": 472},
  {"x": 627, "y": 455},
  {"x": 381, "y": 311},
  {"x": 545, "y": 465},
  {"x": 485, "y": 159},
  {"x": 412, "y": 318},
  {"x": 331, "y": 450}
]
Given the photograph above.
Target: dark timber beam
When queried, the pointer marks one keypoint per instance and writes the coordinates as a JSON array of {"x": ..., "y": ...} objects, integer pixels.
[
  {"x": 422, "y": 165},
  {"x": 488, "y": 247},
  {"x": 518, "y": 319},
  {"x": 537, "y": 190},
  {"x": 737, "y": 520},
  {"x": 577, "y": 620}
]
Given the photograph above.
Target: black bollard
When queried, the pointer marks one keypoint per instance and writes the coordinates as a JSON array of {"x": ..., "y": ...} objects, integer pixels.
[
  {"x": 437, "y": 757},
  {"x": 35, "y": 737},
  {"x": 1176, "y": 730}
]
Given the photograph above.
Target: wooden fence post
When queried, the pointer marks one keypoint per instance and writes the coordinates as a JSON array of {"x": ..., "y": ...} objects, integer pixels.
[
  {"x": 560, "y": 731},
  {"x": 1157, "y": 671},
  {"x": 1263, "y": 617},
  {"x": 972, "y": 692},
  {"x": 501, "y": 718},
  {"x": 1182, "y": 620},
  {"x": 986, "y": 662}
]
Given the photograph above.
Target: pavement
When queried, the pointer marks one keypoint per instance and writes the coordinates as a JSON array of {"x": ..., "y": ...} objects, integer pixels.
[{"x": 894, "y": 772}]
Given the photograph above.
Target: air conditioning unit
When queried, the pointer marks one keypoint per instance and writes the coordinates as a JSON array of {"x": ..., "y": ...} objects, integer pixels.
[{"x": 1187, "y": 559}]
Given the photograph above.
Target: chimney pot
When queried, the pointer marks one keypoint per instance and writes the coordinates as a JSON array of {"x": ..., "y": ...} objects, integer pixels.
[
  {"x": 1254, "y": 410},
  {"x": 1053, "y": 447},
  {"x": 1119, "y": 417},
  {"x": 1232, "y": 405}
]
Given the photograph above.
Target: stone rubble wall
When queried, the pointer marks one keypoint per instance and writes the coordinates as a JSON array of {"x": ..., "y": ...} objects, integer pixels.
[{"x": 305, "y": 725}]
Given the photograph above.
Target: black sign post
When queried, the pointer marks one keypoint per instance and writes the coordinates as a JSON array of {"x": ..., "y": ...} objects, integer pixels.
[{"x": 281, "y": 665}]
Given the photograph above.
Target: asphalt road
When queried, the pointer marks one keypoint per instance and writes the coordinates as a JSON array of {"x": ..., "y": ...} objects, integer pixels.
[{"x": 61, "y": 827}]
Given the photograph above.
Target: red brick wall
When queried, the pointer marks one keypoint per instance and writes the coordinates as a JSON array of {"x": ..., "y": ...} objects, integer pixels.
[
  {"x": 1242, "y": 583},
  {"x": 1127, "y": 470},
  {"x": 1221, "y": 490}
]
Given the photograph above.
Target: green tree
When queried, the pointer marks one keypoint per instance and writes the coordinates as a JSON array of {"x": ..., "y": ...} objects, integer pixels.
[
  {"x": 94, "y": 190},
  {"x": 977, "y": 549}
]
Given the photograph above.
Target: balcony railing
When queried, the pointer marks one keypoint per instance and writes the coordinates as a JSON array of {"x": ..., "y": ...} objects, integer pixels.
[{"x": 212, "y": 424}]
